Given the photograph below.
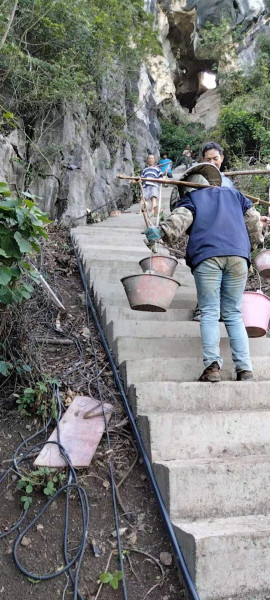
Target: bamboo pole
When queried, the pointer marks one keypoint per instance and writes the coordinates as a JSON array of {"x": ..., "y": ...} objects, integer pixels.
[
  {"x": 251, "y": 172},
  {"x": 185, "y": 184}
]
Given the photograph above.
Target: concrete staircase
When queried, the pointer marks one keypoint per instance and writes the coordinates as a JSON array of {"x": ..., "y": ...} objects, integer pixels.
[{"x": 209, "y": 444}]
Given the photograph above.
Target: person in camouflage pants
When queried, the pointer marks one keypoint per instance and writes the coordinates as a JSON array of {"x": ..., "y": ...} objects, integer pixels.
[{"x": 222, "y": 226}]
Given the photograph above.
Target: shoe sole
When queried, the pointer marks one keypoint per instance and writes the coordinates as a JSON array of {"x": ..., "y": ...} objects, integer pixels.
[{"x": 212, "y": 380}]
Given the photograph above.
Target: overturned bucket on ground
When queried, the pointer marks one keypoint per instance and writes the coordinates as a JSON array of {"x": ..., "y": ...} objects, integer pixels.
[
  {"x": 162, "y": 265},
  {"x": 256, "y": 313},
  {"x": 262, "y": 262},
  {"x": 149, "y": 291}
]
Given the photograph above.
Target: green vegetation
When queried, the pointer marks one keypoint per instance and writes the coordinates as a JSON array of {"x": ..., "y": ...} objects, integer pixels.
[
  {"x": 111, "y": 578},
  {"x": 177, "y": 133},
  {"x": 21, "y": 225},
  {"x": 45, "y": 479},
  {"x": 38, "y": 399},
  {"x": 62, "y": 50}
]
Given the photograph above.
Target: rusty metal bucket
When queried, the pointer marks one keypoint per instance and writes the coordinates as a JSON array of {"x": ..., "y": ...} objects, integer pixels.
[
  {"x": 162, "y": 265},
  {"x": 149, "y": 291},
  {"x": 262, "y": 262}
]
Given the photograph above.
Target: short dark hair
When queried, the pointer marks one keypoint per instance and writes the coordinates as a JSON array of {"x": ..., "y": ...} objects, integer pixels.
[{"x": 212, "y": 146}]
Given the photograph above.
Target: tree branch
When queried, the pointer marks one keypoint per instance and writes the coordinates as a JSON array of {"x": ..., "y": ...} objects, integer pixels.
[{"x": 10, "y": 21}]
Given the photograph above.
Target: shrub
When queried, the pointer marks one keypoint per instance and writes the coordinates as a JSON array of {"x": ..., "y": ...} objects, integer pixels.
[
  {"x": 175, "y": 137},
  {"x": 21, "y": 225}
]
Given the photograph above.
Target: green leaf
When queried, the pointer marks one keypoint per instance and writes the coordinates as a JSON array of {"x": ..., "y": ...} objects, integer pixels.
[
  {"x": 5, "y": 367},
  {"x": 29, "y": 489},
  {"x": 9, "y": 244},
  {"x": 29, "y": 203},
  {"x": 20, "y": 216},
  {"x": 114, "y": 583},
  {"x": 27, "y": 500},
  {"x": 33, "y": 580},
  {"x": 5, "y": 275},
  {"x": 46, "y": 491},
  {"x": 5, "y": 295},
  {"x": 118, "y": 575},
  {"x": 105, "y": 577},
  {"x": 23, "y": 244},
  {"x": 4, "y": 189},
  {"x": 3, "y": 253}
]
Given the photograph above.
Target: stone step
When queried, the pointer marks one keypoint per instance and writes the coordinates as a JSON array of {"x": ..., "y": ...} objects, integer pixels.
[
  {"x": 128, "y": 348},
  {"x": 229, "y": 559},
  {"x": 124, "y": 264},
  {"x": 125, "y": 221},
  {"x": 112, "y": 295},
  {"x": 181, "y": 369},
  {"x": 210, "y": 488},
  {"x": 114, "y": 314},
  {"x": 194, "y": 396},
  {"x": 142, "y": 330},
  {"x": 219, "y": 434},
  {"x": 107, "y": 275},
  {"x": 118, "y": 256}
]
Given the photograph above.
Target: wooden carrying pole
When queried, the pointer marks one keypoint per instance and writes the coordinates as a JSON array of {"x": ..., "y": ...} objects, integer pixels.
[
  {"x": 185, "y": 184},
  {"x": 251, "y": 172}
]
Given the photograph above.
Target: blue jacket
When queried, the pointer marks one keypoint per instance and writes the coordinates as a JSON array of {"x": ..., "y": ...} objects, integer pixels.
[{"x": 218, "y": 227}]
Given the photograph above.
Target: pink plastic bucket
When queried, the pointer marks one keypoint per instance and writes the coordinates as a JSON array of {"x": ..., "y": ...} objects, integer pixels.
[
  {"x": 262, "y": 262},
  {"x": 256, "y": 313}
]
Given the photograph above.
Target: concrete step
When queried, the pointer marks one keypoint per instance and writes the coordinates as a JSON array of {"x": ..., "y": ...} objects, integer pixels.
[
  {"x": 125, "y": 264},
  {"x": 219, "y": 434},
  {"x": 229, "y": 559},
  {"x": 114, "y": 295},
  {"x": 181, "y": 369},
  {"x": 114, "y": 314},
  {"x": 127, "y": 348},
  {"x": 210, "y": 488},
  {"x": 195, "y": 397},
  {"x": 142, "y": 330},
  {"x": 107, "y": 275},
  {"x": 115, "y": 256}
]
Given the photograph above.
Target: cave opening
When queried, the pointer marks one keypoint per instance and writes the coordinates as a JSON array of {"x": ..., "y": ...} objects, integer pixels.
[{"x": 208, "y": 80}]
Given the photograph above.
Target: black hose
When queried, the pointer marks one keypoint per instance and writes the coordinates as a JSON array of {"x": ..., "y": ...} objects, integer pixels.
[
  {"x": 177, "y": 550},
  {"x": 83, "y": 501}
]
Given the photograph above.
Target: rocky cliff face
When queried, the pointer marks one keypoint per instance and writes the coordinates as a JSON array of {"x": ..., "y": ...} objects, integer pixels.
[
  {"x": 71, "y": 162},
  {"x": 180, "y": 21}
]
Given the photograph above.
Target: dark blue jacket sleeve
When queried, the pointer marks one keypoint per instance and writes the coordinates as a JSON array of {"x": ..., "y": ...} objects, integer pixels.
[
  {"x": 186, "y": 202},
  {"x": 245, "y": 202}
]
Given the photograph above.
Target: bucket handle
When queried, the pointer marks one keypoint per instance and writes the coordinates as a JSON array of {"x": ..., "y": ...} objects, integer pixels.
[{"x": 260, "y": 280}]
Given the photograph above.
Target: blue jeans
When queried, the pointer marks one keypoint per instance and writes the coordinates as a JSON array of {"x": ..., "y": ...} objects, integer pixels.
[{"x": 220, "y": 283}]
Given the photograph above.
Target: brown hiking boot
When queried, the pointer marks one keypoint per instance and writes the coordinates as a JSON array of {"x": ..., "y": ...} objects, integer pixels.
[
  {"x": 244, "y": 376},
  {"x": 211, "y": 373}
]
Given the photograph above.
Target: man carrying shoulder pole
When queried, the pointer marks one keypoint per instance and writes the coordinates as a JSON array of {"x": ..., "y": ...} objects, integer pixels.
[{"x": 222, "y": 225}]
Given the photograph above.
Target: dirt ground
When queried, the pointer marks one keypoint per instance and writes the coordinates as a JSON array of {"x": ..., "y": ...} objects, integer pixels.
[{"x": 28, "y": 335}]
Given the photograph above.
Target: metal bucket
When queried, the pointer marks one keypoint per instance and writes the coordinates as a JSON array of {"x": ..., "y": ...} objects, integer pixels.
[
  {"x": 149, "y": 291},
  {"x": 262, "y": 262},
  {"x": 162, "y": 265},
  {"x": 256, "y": 313}
]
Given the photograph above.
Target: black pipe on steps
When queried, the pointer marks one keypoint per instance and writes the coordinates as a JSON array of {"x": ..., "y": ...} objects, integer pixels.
[{"x": 181, "y": 563}]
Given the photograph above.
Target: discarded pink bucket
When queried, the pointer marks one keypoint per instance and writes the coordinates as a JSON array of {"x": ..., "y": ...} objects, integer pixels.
[
  {"x": 262, "y": 262},
  {"x": 162, "y": 265},
  {"x": 256, "y": 313},
  {"x": 149, "y": 291}
]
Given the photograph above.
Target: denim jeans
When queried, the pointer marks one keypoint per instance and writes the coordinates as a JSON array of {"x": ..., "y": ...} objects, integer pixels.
[{"x": 220, "y": 283}]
